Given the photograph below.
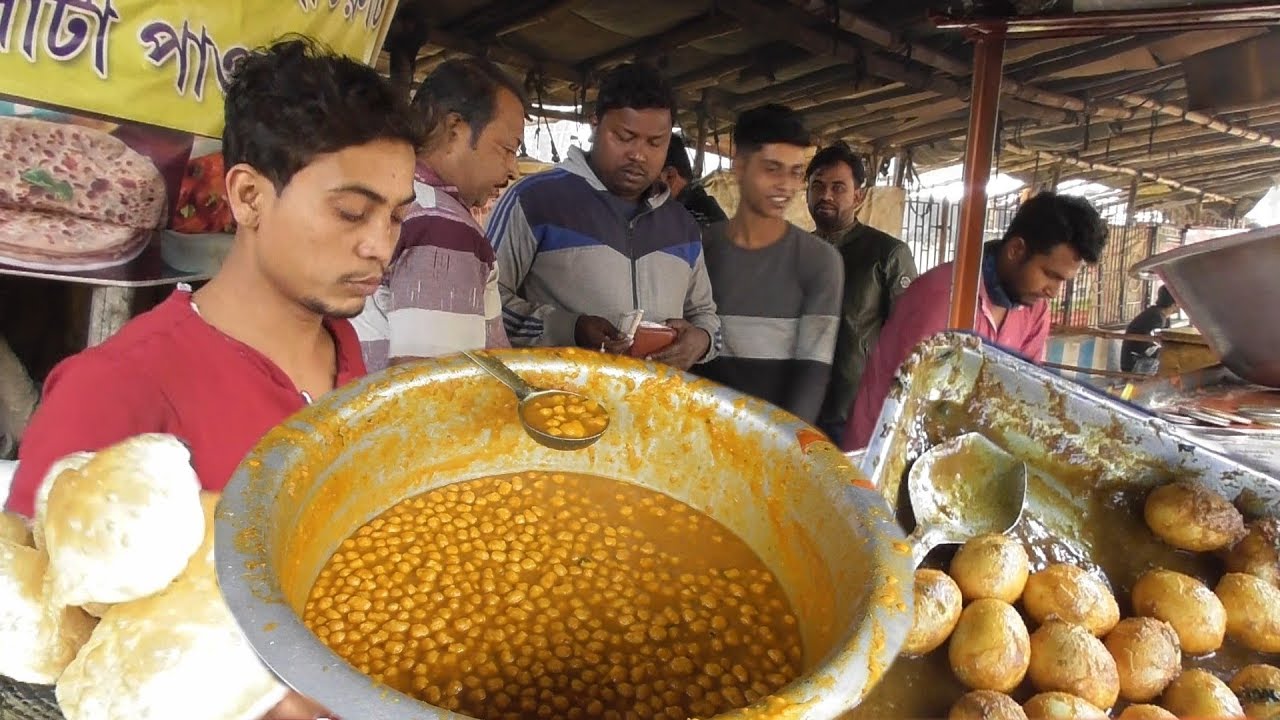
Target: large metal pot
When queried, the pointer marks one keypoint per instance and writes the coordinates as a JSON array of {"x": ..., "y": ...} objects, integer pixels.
[
  {"x": 767, "y": 476},
  {"x": 1228, "y": 288}
]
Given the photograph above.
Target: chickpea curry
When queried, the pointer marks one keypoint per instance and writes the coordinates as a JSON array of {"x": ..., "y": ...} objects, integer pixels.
[
  {"x": 539, "y": 595},
  {"x": 565, "y": 415}
]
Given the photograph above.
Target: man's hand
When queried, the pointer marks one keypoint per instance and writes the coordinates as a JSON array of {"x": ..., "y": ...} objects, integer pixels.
[
  {"x": 596, "y": 333},
  {"x": 691, "y": 345}
]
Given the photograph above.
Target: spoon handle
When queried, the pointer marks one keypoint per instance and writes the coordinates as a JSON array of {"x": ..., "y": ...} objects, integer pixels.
[{"x": 499, "y": 370}]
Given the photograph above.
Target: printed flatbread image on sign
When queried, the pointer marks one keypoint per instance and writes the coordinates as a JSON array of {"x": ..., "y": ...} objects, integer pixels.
[
  {"x": 57, "y": 168},
  {"x": 76, "y": 197}
]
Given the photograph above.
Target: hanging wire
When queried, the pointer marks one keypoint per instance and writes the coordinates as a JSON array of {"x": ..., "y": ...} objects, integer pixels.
[
  {"x": 1088, "y": 126},
  {"x": 551, "y": 136},
  {"x": 1151, "y": 134},
  {"x": 715, "y": 133}
]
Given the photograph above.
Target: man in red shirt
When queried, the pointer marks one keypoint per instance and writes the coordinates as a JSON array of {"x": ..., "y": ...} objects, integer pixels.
[
  {"x": 1050, "y": 238},
  {"x": 319, "y": 153}
]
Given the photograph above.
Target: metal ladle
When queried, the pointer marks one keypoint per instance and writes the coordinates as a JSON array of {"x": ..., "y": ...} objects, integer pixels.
[
  {"x": 963, "y": 488},
  {"x": 526, "y": 393}
]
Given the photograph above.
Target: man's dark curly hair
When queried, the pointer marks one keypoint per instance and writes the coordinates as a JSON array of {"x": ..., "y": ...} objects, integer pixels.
[
  {"x": 838, "y": 152},
  {"x": 1049, "y": 219},
  {"x": 294, "y": 100},
  {"x": 636, "y": 86},
  {"x": 768, "y": 125}
]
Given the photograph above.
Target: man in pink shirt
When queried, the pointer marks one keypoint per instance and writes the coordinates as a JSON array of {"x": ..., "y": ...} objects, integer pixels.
[{"x": 1051, "y": 237}]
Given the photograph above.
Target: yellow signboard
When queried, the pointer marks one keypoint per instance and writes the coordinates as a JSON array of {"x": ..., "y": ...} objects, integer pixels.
[{"x": 163, "y": 62}]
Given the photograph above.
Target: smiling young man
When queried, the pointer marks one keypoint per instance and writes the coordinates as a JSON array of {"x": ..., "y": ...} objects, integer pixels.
[
  {"x": 777, "y": 287},
  {"x": 441, "y": 293},
  {"x": 582, "y": 245},
  {"x": 319, "y": 153},
  {"x": 1050, "y": 238},
  {"x": 877, "y": 270}
]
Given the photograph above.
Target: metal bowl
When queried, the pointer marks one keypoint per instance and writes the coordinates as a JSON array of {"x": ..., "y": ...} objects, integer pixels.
[
  {"x": 1228, "y": 288},
  {"x": 773, "y": 480}
]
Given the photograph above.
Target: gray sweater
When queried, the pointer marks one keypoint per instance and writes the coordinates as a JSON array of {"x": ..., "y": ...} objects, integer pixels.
[{"x": 779, "y": 312}]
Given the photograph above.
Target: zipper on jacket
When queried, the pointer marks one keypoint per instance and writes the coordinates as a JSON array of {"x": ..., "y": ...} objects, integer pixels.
[{"x": 631, "y": 255}]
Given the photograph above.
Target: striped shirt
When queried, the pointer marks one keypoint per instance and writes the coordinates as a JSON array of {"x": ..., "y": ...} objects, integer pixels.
[
  {"x": 440, "y": 295},
  {"x": 779, "y": 314}
]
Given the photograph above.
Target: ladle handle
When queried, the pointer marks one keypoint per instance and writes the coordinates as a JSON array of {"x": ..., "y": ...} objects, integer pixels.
[{"x": 499, "y": 370}]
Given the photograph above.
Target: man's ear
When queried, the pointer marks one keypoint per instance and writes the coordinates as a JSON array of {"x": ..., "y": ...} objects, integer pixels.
[
  {"x": 248, "y": 191},
  {"x": 1015, "y": 248},
  {"x": 456, "y": 128}
]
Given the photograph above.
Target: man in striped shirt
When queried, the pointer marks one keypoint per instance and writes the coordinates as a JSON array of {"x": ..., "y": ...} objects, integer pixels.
[
  {"x": 777, "y": 288},
  {"x": 440, "y": 294}
]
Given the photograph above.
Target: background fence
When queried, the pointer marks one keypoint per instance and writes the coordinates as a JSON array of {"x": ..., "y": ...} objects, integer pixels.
[{"x": 1103, "y": 295}]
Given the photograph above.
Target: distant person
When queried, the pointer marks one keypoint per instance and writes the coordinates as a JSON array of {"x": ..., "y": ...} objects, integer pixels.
[
  {"x": 1050, "y": 238},
  {"x": 678, "y": 175},
  {"x": 1156, "y": 317},
  {"x": 877, "y": 270},
  {"x": 585, "y": 244},
  {"x": 440, "y": 295},
  {"x": 777, "y": 287}
]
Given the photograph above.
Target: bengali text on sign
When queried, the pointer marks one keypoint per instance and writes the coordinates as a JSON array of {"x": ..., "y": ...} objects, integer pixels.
[{"x": 163, "y": 62}]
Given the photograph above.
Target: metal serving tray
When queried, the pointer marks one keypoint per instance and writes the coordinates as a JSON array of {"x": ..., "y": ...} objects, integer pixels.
[{"x": 1092, "y": 459}]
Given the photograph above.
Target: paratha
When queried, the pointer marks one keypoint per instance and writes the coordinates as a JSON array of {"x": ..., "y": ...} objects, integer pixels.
[
  {"x": 78, "y": 171},
  {"x": 62, "y": 243}
]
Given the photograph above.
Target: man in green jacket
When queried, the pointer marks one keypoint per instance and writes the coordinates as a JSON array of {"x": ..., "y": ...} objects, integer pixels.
[{"x": 877, "y": 269}]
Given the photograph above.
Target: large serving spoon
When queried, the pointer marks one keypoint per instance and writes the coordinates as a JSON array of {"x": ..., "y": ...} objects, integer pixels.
[
  {"x": 963, "y": 488},
  {"x": 531, "y": 397}
]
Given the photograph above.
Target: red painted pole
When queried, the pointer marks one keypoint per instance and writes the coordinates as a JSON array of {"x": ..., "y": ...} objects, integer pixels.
[{"x": 988, "y": 66}]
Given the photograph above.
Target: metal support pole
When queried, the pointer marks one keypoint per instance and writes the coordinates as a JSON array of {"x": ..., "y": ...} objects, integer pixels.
[
  {"x": 1131, "y": 212},
  {"x": 988, "y": 60}
]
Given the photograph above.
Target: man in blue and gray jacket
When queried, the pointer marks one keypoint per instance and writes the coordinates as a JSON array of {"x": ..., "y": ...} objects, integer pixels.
[{"x": 582, "y": 245}]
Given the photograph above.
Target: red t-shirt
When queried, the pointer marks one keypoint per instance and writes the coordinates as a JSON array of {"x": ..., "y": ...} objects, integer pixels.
[{"x": 166, "y": 371}]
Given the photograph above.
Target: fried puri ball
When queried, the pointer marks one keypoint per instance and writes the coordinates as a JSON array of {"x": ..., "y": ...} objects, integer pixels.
[
  {"x": 1061, "y": 706},
  {"x": 1197, "y": 694},
  {"x": 1072, "y": 594},
  {"x": 991, "y": 566},
  {"x": 1258, "y": 553},
  {"x": 986, "y": 705},
  {"x": 1146, "y": 712},
  {"x": 1191, "y": 517},
  {"x": 990, "y": 648},
  {"x": 1148, "y": 657},
  {"x": 1068, "y": 658},
  {"x": 938, "y": 605},
  {"x": 1253, "y": 611},
  {"x": 1184, "y": 602},
  {"x": 1257, "y": 687},
  {"x": 14, "y": 529}
]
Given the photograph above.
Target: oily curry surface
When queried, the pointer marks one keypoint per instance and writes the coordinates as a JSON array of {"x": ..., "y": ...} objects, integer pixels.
[{"x": 564, "y": 595}]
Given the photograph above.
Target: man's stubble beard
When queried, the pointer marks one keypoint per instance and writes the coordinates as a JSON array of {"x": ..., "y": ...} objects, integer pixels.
[{"x": 322, "y": 309}]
